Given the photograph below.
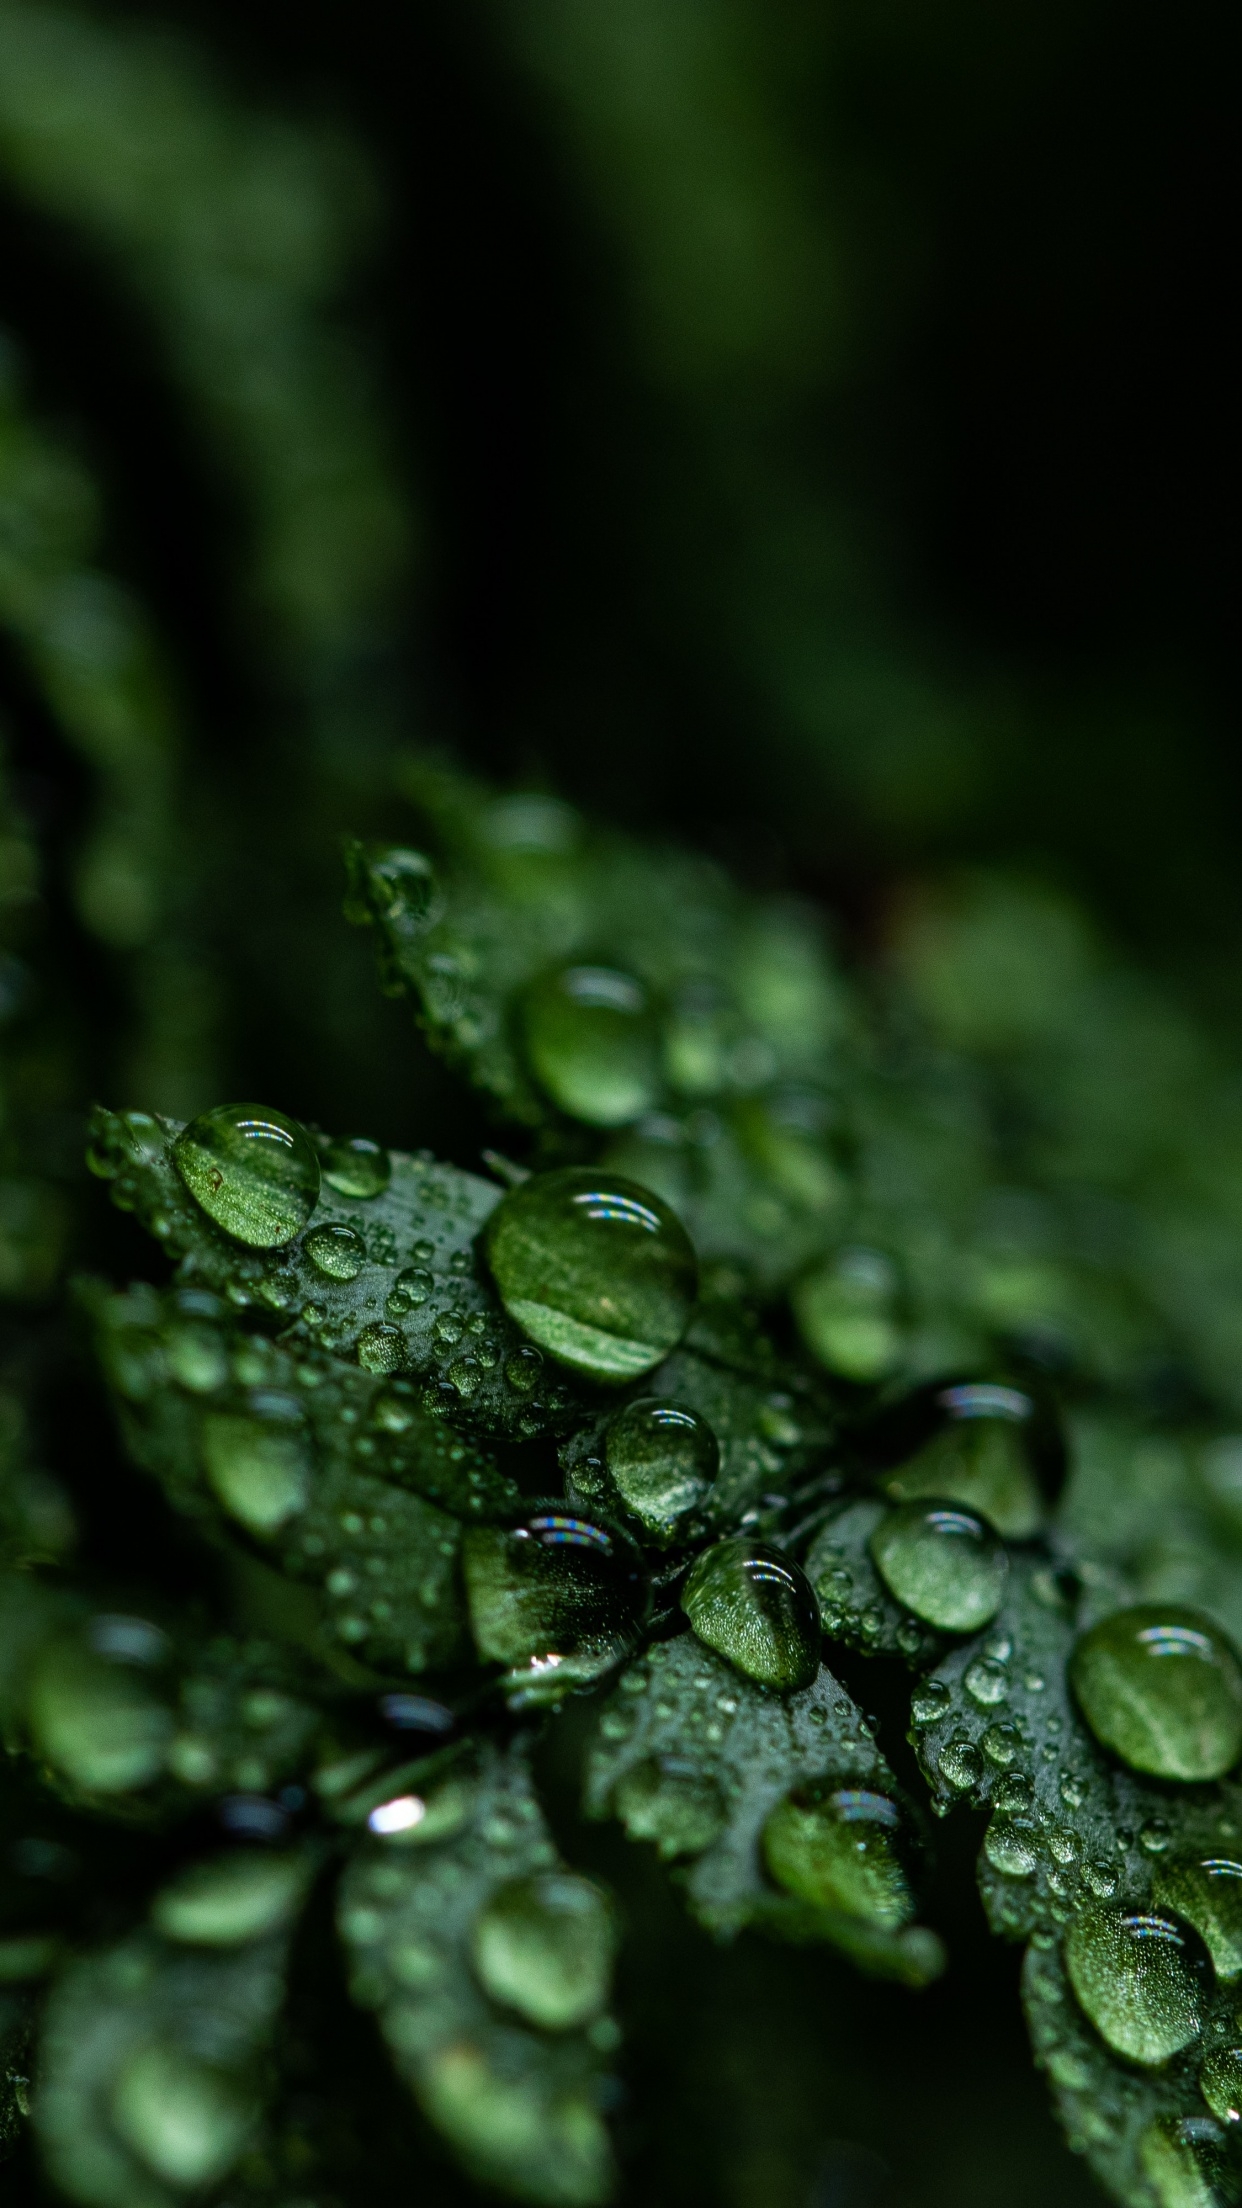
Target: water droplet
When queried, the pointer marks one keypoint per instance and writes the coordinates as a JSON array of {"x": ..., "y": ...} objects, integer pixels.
[
  {"x": 1142, "y": 1977},
  {"x": 961, "y": 1764},
  {"x": 259, "y": 1467},
  {"x": 1155, "y": 1835},
  {"x": 1073, "y": 1789},
  {"x": 403, "y": 884},
  {"x": 356, "y": 1167},
  {"x": 1101, "y": 1877},
  {"x": 595, "y": 1269},
  {"x": 758, "y": 1609},
  {"x": 555, "y": 1596},
  {"x": 1161, "y": 1686},
  {"x": 668, "y": 1800},
  {"x": 95, "y": 1718},
  {"x": 1207, "y": 1891},
  {"x": 1064, "y": 1845},
  {"x": 186, "y": 2120},
  {"x": 1015, "y": 1793},
  {"x": 944, "y": 1564},
  {"x": 839, "y": 1849},
  {"x": 381, "y": 1348},
  {"x": 234, "y": 1897},
  {"x": 662, "y": 1458},
  {"x": 1220, "y": 2082},
  {"x": 253, "y": 1171},
  {"x": 1185, "y": 2162},
  {"x": 929, "y": 1701},
  {"x": 847, "y": 1316},
  {"x": 1002, "y": 1745},
  {"x": 409, "y": 1291},
  {"x": 338, "y": 1251},
  {"x": 987, "y": 1682},
  {"x": 593, "y": 1044},
  {"x": 544, "y": 1946},
  {"x": 1011, "y": 1846},
  {"x": 980, "y": 1460}
]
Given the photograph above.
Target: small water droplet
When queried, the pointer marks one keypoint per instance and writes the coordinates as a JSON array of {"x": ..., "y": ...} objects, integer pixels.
[
  {"x": 230, "y": 1898},
  {"x": 839, "y": 1848},
  {"x": 1220, "y": 2082},
  {"x": 381, "y": 1348},
  {"x": 929, "y": 1701},
  {"x": 93, "y": 1716},
  {"x": 356, "y": 1167},
  {"x": 1143, "y": 1977},
  {"x": 668, "y": 1800},
  {"x": 598, "y": 1271},
  {"x": 1073, "y": 1789},
  {"x": 1011, "y": 1846},
  {"x": 663, "y": 1459},
  {"x": 187, "y": 2120},
  {"x": 252, "y": 1170},
  {"x": 1161, "y": 1685},
  {"x": 1002, "y": 1745},
  {"x": 757, "y": 1608},
  {"x": 961, "y": 1764},
  {"x": 544, "y": 1945},
  {"x": 1155, "y": 1835},
  {"x": 944, "y": 1564},
  {"x": 1101, "y": 1877},
  {"x": 593, "y": 1044},
  {"x": 987, "y": 1682},
  {"x": 259, "y": 1466},
  {"x": 338, "y": 1251},
  {"x": 1064, "y": 1845},
  {"x": 1014, "y": 1793}
]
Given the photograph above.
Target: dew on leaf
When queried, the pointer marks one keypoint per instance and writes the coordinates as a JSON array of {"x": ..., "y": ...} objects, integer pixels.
[
  {"x": 1185, "y": 2163},
  {"x": 240, "y": 1896},
  {"x": 846, "y": 1314},
  {"x": 1220, "y": 2082},
  {"x": 987, "y": 1682},
  {"x": 381, "y": 1348},
  {"x": 593, "y": 1045},
  {"x": 930, "y": 1700},
  {"x": 252, "y": 1170},
  {"x": 544, "y": 1946},
  {"x": 185, "y": 2119},
  {"x": 663, "y": 1459},
  {"x": 1011, "y": 1845},
  {"x": 840, "y": 1848},
  {"x": 960, "y": 1763},
  {"x": 1161, "y": 1685},
  {"x": 339, "y": 1251},
  {"x": 95, "y": 1718},
  {"x": 258, "y": 1467},
  {"x": 945, "y": 1565},
  {"x": 1002, "y": 1745},
  {"x": 668, "y": 1800},
  {"x": 753, "y": 1605},
  {"x": 1143, "y": 1977},
  {"x": 1207, "y": 1891},
  {"x": 979, "y": 1459},
  {"x": 356, "y": 1167},
  {"x": 556, "y": 1597},
  {"x": 595, "y": 1269}
]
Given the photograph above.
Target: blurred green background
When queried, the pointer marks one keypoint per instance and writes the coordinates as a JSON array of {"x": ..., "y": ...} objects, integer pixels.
[{"x": 800, "y": 430}]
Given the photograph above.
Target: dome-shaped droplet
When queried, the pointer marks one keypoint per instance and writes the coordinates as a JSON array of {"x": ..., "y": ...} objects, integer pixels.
[
  {"x": 381, "y": 1348},
  {"x": 595, "y": 1269},
  {"x": 186, "y": 2120},
  {"x": 1220, "y": 2082},
  {"x": 252, "y": 1170},
  {"x": 93, "y": 1714},
  {"x": 1207, "y": 1891},
  {"x": 840, "y": 1848},
  {"x": 1161, "y": 1685},
  {"x": 409, "y": 1291},
  {"x": 1143, "y": 1977},
  {"x": 944, "y": 1564},
  {"x": 593, "y": 1044},
  {"x": 339, "y": 1251},
  {"x": 756, "y": 1607},
  {"x": 1011, "y": 1845},
  {"x": 230, "y": 1898},
  {"x": 557, "y": 1598},
  {"x": 356, "y": 1167},
  {"x": 1187, "y": 2163},
  {"x": 847, "y": 1314},
  {"x": 669, "y": 1800},
  {"x": 259, "y": 1464},
  {"x": 980, "y": 1458},
  {"x": 544, "y": 1946},
  {"x": 662, "y": 1458}
]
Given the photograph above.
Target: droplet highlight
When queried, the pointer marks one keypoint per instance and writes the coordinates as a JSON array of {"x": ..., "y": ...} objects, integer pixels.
[
  {"x": 757, "y": 1608},
  {"x": 943, "y": 1563}
]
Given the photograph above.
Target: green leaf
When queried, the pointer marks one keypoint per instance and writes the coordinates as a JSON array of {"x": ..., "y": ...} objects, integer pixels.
[
  {"x": 154, "y": 2052},
  {"x": 487, "y": 1964},
  {"x": 692, "y": 1755},
  {"x": 442, "y": 1321}
]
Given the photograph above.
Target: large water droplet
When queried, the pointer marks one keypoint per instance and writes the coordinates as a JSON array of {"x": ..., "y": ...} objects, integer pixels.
[
  {"x": 356, "y": 1167},
  {"x": 847, "y": 1314},
  {"x": 555, "y": 1597},
  {"x": 259, "y": 1466},
  {"x": 187, "y": 2121},
  {"x": 593, "y": 1044},
  {"x": 1186, "y": 2162},
  {"x": 663, "y": 1459},
  {"x": 757, "y": 1608},
  {"x": 1142, "y": 1977},
  {"x": 1207, "y": 1891},
  {"x": 944, "y": 1564},
  {"x": 544, "y": 1946},
  {"x": 338, "y": 1251},
  {"x": 252, "y": 1170},
  {"x": 980, "y": 1459},
  {"x": 1011, "y": 1846},
  {"x": 595, "y": 1269},
  {"x": 839, "y": 1848},
  {"x": 381, "y": 1348},
  {"x": 94, "y": 1716},
  {"x": 1220, "y": 2082},
  {"x": 1161, "y": 1686},
  {"x": 667, "y": 1799},
  {"x": 230, "y": 1898}
]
